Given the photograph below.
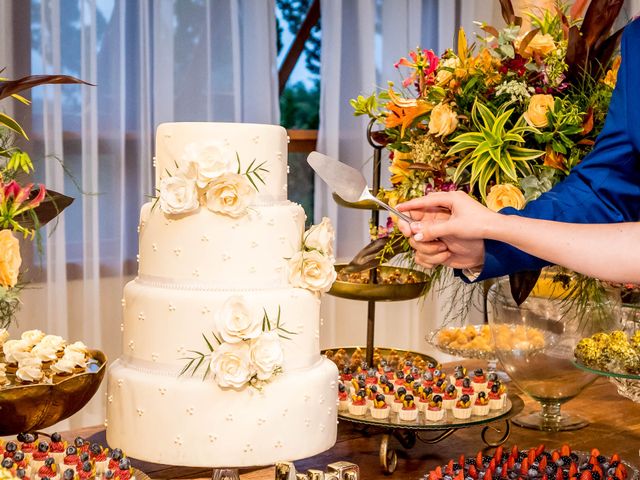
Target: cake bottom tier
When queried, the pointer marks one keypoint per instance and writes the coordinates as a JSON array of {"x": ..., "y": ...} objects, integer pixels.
[{"x": 186, "y": 421}]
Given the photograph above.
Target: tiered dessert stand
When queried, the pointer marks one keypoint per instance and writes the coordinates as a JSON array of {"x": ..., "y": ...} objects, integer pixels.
[{"x": 407, "y": 433}]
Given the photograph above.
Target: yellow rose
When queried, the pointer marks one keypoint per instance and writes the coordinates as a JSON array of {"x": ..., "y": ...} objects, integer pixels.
[
  {"x": 541, "y": 44},
  {"x": 536, "y": 114},
  {"x": 10, "y": 259},
  {"x": 443, "y": 120},
  {"x": 505, "y": 195}
]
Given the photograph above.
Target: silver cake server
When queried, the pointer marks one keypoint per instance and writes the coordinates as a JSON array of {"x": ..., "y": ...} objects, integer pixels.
[{"x": 347, "y": 182}]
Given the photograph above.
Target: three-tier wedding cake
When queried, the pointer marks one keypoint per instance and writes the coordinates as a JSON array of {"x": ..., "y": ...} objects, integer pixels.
[{"x": 221, "y": 364}]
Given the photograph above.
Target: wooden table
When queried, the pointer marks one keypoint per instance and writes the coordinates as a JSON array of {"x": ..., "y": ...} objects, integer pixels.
[{"x": 614, "y": 427}]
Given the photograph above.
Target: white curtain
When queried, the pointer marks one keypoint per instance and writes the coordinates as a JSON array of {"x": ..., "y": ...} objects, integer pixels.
[
  {"x": 150, "y": 62},
  {"x": 361, "y": 41}
]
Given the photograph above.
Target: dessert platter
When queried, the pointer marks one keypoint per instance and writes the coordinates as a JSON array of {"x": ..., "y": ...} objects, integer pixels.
[
  {"x": 392, "y": 284},
  {"x": 615, "y": 355},
  {"x": 481, "y": 342},
  {"x": 44, "y": 379},
  {"x": 41, "y": 456},
  {"x": 408, "y": 395},
  {"x": 536, "y": 463}
]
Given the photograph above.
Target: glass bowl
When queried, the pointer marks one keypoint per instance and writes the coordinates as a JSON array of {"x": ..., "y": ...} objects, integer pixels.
[{"x": 547, "y": 374}]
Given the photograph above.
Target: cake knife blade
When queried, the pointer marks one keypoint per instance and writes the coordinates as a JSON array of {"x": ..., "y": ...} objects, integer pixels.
[{"x": 347, "y": 182}]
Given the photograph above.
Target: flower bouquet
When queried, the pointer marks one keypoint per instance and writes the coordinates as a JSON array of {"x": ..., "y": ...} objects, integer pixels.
[
  {"x": 23, "y": 207},
  {"x": 504, "y": 118}
]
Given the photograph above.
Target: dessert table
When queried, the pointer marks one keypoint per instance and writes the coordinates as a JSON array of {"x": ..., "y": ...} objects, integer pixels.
[{"x": 614, "y": 427}]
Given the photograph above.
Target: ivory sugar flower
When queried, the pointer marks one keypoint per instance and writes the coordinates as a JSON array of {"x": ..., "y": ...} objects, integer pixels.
[{"x": 230, "y": 194}]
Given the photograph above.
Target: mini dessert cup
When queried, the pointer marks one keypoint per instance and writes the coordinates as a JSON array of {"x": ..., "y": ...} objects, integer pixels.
[
  {"x": 434, "y": 414},
  {"x": 461, "y": 413},
  {"x": 448, "y": 403},
  {"x": 408, "y": 414},
  {"x": 480, "y": 410},
  {"x": 358, "y": 409},
  {"x": 380, "y": 413}
]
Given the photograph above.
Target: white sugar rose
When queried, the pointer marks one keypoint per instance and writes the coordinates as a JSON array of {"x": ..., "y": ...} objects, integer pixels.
[
  {"x": 45, "y": 352},
  {"x": 32, "y": 337},
  {"x": 30, "y": 369},
  {"x": 64, "y": 366},
  {"x": 237, "y": 321},
  {"x": 178, "y": 194},
  {"x": 231, "y": 365},
  {"x": 312, "y": 270},
  {"x": 230, "y": 194},
  {"x": 266, "y": 354},
  {"x": 320, "y": 237},
  {"x": 16, "y": 350},
  {"x": 211, "y": 159}
]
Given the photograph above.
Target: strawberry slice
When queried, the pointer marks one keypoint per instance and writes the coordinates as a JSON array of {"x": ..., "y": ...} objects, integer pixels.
[
  {"x": 524, "y": 467},
  {"x": 449, "y": 468},
  {"x": 596, "y": 468},
  {"x": 559, "y": 474},
  {"x": 565, "y": 450},
  {"x": 545, "y": 477},
  {"x": 473, "y": 471},
  {"x": 543, "y": 464},
  {"x": 498, "y": 454},
  {"x": 505, "y": 471},
  {"x": 593, "y": 460},
  {"x": 461, "y": 461},
  {"x": 492, "y": 464},
  {"x": 439, "y": 471},
  {"x": 621, "y": 471},
  {"x": 459, "y": 476},
  {"x": 595, "y": 452},
  {"x": 615, "y": 458},
  {"x": 532, "y": 455},
  {"x": 488, "y": 474},
  {"x": 511, "y": 463},
  {"x": 479, "y": 459},
  {"x": 433, "y": 476},
  {"x": 540, "y": 449},
  {"x": 555, "y": 456},
  {"x": 586, "y": 475},
  {"x": 573, "y": 470},
  {"x": 514, "y": 451}
]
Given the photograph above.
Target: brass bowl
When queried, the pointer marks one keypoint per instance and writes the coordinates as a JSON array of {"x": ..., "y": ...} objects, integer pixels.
[
  {"x": 382, "y": 292},
  {"x": 361, "y": 205},
  {"x": 26, "y": 408}
]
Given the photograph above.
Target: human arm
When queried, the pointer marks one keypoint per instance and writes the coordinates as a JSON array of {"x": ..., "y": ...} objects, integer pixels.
[{"x": 606, "y": 251}]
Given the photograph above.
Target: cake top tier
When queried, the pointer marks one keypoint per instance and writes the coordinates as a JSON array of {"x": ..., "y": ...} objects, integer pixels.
[{"x": 254, "y": 148}]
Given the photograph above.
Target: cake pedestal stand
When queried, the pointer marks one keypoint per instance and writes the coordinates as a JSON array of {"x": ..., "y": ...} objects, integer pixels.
[
  {"x": 408, "y": 433},
  {"x": 225, "y": 474}
]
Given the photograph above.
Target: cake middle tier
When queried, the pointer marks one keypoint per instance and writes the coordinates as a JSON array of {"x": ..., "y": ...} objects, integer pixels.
[
  {"x": 209, "y": 248},
  {"x": 163, "y": 324}
]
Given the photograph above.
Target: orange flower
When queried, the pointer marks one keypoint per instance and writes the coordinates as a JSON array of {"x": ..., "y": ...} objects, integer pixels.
[
  {"x": 554, "y": 159},
  {"x": 399, "y": 167},
  {"x": 611, "y": 77},
  {"x": 405, "y": 115}
]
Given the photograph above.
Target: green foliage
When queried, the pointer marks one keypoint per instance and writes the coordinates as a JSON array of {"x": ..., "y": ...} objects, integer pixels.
[
  {"x": 494, "y": 151},
  {"x": 293, "y": 13},
  {"x": 300, "y": 107}
]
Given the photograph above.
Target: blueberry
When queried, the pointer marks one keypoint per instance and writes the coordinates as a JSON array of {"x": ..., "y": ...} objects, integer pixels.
[
  {"x": 574, "y": 457},
  {"x": 431, "y": 365},
  {"x": 84, "y": 456},
  {"x": 373, "y": 388},
  {"x": 437, "y": 373},
  {"x": 56, "y": 437},
  {"x": 49, "y": 461},
  {"x": 484, "y": 395},
  {"x": 124, "y": 464},
  {"x": 566, "y": 460},
  {"x": 341, "y": 389},
  {"x": 29, "y": 438},
  {"x": 11, "y": 447},
  {"x": 437, "y": 399},
  {"x": 399, "y": 374},
  {"x": 7, "y": 463},
  {"x": 401, "y": 391},
  {"x": 21, "y": 437},
  {"x": 68, "y": 474},
  {"x": 532, "y": 472},
  {"x": 21, "y": 473},
  {"x": 362, "y": 384},
  {"x": 450, "y": 389},
  {"x": 470, "y": 461},
  {"x": 18, "y": 457},
  {"x": 466, "y": 382},
  {"x": 86, "y": 466},
  {"x": 595, "y": 476},
  {"x": 108, "y": 474},
  {"x": 465, "y": 398},
  {"x": 478, "y": 372},
  {"x": 361, "y": 393},
  {"x": 409, "y": 379},
  {"x": 459, "y": 374},
  {"x": 408, "y": 397},
  {"x": 71, "y": 450},
  {"x": 601, "y": 459},
  {"x": 78, "y": 442},
  {"x": 492, "y": 377},
  {"x": 43, "y": 447},
  {"x": 428, "y": 376},
  {"x": 379, "y": 397}
]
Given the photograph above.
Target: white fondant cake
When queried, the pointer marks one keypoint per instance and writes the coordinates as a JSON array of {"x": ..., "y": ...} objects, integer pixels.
[{"x": 225, "y": 269}]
